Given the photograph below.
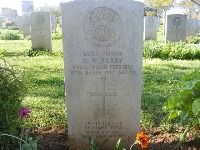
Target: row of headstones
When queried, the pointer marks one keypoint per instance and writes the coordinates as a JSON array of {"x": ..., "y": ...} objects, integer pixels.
[
  {"x": 40, "y": 26},
  {"x": 176, "y": 27}
]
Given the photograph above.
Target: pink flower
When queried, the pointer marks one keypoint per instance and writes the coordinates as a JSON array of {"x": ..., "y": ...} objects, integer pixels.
[{"x": 24, "y": 113}]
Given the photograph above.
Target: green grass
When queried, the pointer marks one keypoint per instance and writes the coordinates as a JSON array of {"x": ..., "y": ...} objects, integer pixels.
[
  {"x": 160, "y": 82},
  {"x": 45, "y": 83}
]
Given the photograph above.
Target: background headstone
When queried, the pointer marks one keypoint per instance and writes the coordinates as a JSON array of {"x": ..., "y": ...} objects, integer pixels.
[
  {"x": 191, "y": 27},
  {"x": 53, "y": 23},
  {"x": 175, "y": 28},
  {"x": 27, "y": 8},
  {"x": 26, "y": 25},
  {"x": 102, "y": 42},
  {"x": 19, "y": 23},
  {"x": 150, "y": 27},
  {"x": 198, "y": 26},
  {"x": 1, "y": 21},
  {"x": 41, "y": 36}
]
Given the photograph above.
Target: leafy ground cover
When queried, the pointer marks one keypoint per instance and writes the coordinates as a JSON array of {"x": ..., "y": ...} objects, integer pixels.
[{"x": 45, "y": 97}]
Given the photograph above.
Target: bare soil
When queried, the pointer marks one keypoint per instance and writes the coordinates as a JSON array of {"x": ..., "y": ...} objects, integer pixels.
[{"x": 158, "y": 140}]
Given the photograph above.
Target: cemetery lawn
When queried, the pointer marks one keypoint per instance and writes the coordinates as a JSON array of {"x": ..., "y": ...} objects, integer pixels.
[{"x": 45, "y": 96}]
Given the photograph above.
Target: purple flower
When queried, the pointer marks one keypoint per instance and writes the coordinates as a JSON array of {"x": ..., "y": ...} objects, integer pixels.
[{"x": 24, "y": 113}]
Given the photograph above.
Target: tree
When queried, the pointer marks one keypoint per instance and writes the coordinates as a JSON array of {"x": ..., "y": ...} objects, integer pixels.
[
  {"x": 55, "y": 10},
  {"x": 196, "y": 2},
  {"x": 159, "y": 4},
  {"x": 192, "y": 7}
]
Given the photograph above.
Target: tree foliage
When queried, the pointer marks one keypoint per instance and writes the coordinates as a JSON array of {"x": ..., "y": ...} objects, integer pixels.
[
  {"x": 192, "y": 7},
  {"x": 159, "y": 4}
]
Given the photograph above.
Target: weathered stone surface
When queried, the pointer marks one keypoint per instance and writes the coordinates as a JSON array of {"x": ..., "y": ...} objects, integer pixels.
[
  {"x": 41, "y": 36},
  {"x": 26, "y": 24},
  {"x": 191, "y": 27},
  {"x": 102, "y": 42},
  {"x": 175, "y": 28},
  {"x": 53, "y": 23},
  {"x": 198, "y": 26},
  {"x": 1, "y": 21},
  {"x": 150, "y": 27},
  {"x": 19, "y": 23}
]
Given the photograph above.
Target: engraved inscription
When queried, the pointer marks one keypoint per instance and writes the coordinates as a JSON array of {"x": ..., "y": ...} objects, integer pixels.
[
  {"x": 40, "y": 18},
  {"x": 102, "y": 63},
  {"x": 41, "y": 39},
  {"x": 105, "y": 129},
  {"x": 103, "y": 94},
  {"x": 102, "y": 26},
  {"x": 176, "y": 21}
]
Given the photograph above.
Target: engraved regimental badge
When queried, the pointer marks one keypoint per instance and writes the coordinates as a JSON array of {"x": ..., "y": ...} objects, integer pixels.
[
  {"x": 176, "y": 21},
  {"x": 40, "y": 18},
  {"x": 102, "y": 26}
]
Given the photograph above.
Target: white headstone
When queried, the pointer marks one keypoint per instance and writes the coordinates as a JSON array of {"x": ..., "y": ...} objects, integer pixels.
[
  {"x": 41, "y": 36},
  {"x": 175, "y": 29},
  {"x": 102, "y": 42},
  {"x": 26, "y": 24},
  {"x": 191, "y": 27},
  {"x": 150, "y": 27},
  {"x": 53, "y": 23},
  {"x": 198, "y": 26},
  {"x": 1, "y": 21},
  {"x": 19, "y": 23}
]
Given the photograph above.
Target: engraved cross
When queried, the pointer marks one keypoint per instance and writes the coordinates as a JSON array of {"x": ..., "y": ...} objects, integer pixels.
[
  {"x": 103, "y": 95},
  {"x": 40, "y": 36}
]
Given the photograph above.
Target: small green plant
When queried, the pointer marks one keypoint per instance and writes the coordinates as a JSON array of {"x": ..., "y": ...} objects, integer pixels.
[
  {"x": 12, "y": 90},
  {"x": 170, "y": 50},
  {"x": 94, "y": 146},
  {"x": 141, "y": 139},
  {"x": 25, "y": 142},
  {"x": 37, "y": 52},
  {"x": 193, "y": 39},
  {"x": 12, "y": 28},
  {"x": 56, "y": 36},
  {"x": 185, "y": 106},
  {"x": 10, "y": 36}
]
